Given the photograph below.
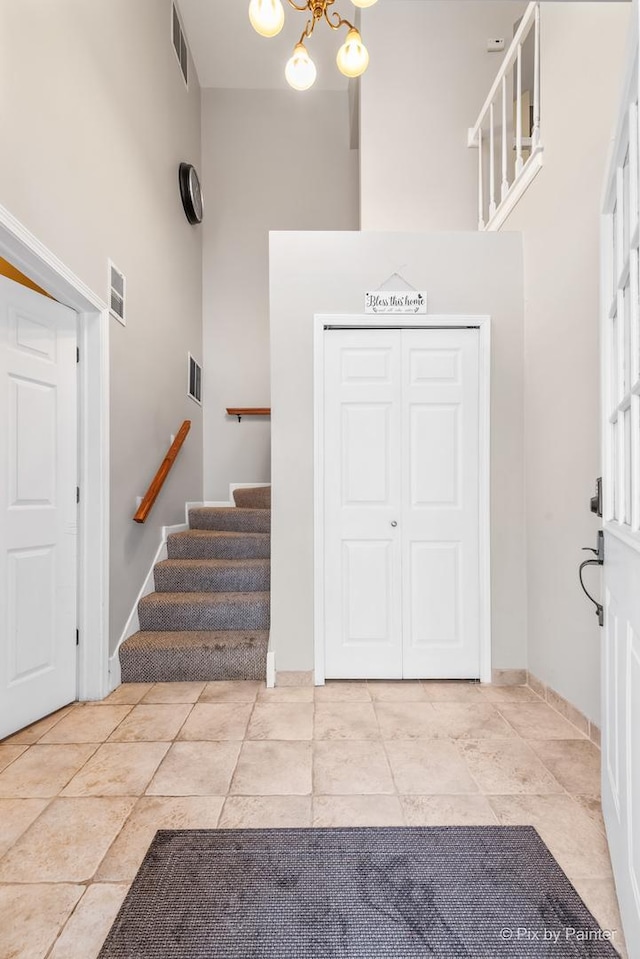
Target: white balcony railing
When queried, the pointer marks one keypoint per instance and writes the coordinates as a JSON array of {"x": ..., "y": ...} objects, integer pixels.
[{"x": 509, "y": 142}]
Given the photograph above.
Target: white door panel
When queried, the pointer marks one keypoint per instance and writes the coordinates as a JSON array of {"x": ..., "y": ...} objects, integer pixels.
[
  {"x": 37, "y": 506},
  {"x": 401, "y": 574}
]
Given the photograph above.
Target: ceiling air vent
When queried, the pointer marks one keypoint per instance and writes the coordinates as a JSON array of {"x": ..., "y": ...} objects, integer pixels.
[
  {"x": 194, "y": 382},
  {"x": 179, "y": 43},
  {"x": 117, "y": 288}
]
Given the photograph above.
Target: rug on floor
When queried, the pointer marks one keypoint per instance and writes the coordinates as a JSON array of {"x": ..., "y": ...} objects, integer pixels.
[{"x": 483, "y": 892}]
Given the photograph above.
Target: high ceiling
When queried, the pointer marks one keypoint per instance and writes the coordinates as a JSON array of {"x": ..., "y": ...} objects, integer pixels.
[{"x": 229, "y": 53}]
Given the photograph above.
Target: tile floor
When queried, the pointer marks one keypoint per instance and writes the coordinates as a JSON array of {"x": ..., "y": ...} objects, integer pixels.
[{"x": 83, "y": 791}]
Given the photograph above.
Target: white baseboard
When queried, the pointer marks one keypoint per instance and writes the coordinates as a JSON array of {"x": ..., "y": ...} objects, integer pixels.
[
  {"x": 133, "y": 623},
  {"x": 271, "y": 669}
]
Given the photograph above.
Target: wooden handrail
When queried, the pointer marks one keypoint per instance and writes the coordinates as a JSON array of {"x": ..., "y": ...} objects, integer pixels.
[
  {"x": 157, "y": 482},
  {"x": 241, "y": 411}
]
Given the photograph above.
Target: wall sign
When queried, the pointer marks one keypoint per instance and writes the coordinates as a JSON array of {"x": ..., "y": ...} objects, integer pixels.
[{"x": 404, "y": 301}]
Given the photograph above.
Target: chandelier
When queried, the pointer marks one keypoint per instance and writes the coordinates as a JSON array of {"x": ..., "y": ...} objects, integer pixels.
[{"x": 267, "y": 19}]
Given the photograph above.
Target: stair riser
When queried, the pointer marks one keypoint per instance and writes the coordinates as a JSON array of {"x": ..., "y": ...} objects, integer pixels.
[
  {"x": 204, "y": 547},
  {"x": 231, "y": 519},
  {"x": 156, "y": 617},
  {"x": 181, "y": 666},
  {"x": 206, "y": 581}
]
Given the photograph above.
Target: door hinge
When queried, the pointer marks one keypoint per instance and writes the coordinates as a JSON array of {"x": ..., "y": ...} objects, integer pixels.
[
  {"x": 77, "y": 354},
  {"x": 77, "y": 637},
  {"x": 77, "y": 494}
]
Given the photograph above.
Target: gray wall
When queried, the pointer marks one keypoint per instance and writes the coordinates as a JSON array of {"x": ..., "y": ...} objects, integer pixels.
[
  {"x": 95, "y": 119},
  {"x": 272, "y": 160},
  {"x": 428, "y": 77},
  {"x": 329, "y": 273},
  {"x": 559, "y": 218}
]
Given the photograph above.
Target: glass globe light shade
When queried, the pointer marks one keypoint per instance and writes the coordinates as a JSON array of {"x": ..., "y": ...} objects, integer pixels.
[
  {"x": 363, "y": 3},
  {"x": 300, "y": 70},
  {"x": 353, "y": 57},
  {"x": 266, "y": 16}
]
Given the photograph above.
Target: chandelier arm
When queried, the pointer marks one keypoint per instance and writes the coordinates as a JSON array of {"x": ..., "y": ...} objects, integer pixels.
[
  {"x": 295, "y": 6},
  {"x": 308, "y": 30},
  {"x": 341, "y": 22}
]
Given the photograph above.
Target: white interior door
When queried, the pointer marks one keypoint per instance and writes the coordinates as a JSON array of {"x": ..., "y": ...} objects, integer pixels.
[
  {"x": 621, "y": 507},
  {"x": 38, "y": 511},
  {"x": 401, "y": 503}
]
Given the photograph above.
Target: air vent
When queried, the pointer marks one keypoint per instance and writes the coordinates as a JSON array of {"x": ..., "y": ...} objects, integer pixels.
[
  {"x": 117, "y": 293},
  {"x": 180, "y": 44},
  {"x": 194, "y": 383}
]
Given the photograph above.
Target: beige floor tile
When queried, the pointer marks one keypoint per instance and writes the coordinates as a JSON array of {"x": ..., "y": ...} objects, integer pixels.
[
  {"x": 351, "y": 768},
  {"x": 448, "y": 811},
  {"x": 574, "y": 762},
  {"x": 44, "y": 770},
  {"x": 271, "y": 768},
  {"x": 266, "y": 812},
  {"x": 539, "y": 721},
  {"x": 16, "y": 815},
  {"x": 147, "y": 723},
  {"x": 345, "y": 721},
  {"x": 128, "y": 694},
  {"x": 403, "y": 691},
  {"x": 423, "y": 767},
  {"x": 150, "y": 814},
  {"x": 86, "y": 930},
  {"x": 571, "y": 835},
  {"x": 509, "y": 767},
  {"x": 9, "y": 753},
  {"x": 408, "y": 721},
  {"x": 217, "y": 721},
  {"x": 599, "y": 896},
  {"x": 31, "y": 917},
  {"x": 508, "y": 694},
  {"x": 464, "y": 721},
  {"x": 593, "y": 808},
  {"x": 281, "y": 721},
  {"x": 196, "y": 769},
  {"x": 244, "y": 691},
  {"x": 451, "y": 692},
  {"x": 174, "y": 693},
  {"x": 87, "y": 724},
  {"x": 340, "y": 691},
  {"x": 67, "y": 842},
  {"x": 286, "y": 694},
  {"x": 336, "y": 811},
  {"x": 31, "y": 734},
  {"x": 118, "y": 769}
]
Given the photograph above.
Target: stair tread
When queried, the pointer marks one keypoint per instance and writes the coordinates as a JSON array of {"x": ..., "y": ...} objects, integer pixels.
[
  {"x": 146, "y": 639},
  {"x": 222, "y": 533},
  {"x": 207, "y": 598},
  {"x": 213, "y": 563}
]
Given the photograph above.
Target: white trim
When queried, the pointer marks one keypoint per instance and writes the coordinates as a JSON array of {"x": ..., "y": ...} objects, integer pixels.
[
  {"x": 483, "y": 324},
  {"x": 271, "y": 669},
  {"x": 517, "y": 190},
  {"x": 133, "y": 623},
  {"x": 37, "y": 262}
]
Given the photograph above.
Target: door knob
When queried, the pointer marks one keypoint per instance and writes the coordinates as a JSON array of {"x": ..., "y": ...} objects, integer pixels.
[{"x": 394, "y": 522}]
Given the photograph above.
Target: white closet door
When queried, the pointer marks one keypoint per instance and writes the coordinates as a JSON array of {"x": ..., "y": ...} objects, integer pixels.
[
  {"x": 362, "y": 476},
  {"x": 440, "y": 504}
]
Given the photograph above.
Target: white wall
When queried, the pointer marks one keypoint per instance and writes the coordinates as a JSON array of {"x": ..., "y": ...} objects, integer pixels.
[
  {"x": 95, "y": 119},
  {"x": 329, "y": 273},
  {"x": 428, "y": 78},
  {"x": 272, "y": 160},
  {"x": 559, "y": 220}
]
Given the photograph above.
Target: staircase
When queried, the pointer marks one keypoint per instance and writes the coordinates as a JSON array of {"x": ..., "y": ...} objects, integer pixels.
[{"x": 209, "y": 616}]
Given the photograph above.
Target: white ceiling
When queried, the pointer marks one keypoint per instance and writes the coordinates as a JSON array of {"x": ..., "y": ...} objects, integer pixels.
[{"x": 229, "y": 53}]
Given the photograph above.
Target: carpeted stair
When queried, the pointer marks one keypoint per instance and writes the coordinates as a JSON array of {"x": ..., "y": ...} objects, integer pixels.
[{"x": 209, "y": 616}]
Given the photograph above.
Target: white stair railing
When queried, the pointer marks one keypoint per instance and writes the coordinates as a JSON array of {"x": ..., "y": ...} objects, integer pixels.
[{"x": 517, "y": 138}]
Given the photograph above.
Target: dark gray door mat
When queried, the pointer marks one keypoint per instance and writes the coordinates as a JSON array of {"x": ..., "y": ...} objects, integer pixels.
[{"x": 479, "y": 892}]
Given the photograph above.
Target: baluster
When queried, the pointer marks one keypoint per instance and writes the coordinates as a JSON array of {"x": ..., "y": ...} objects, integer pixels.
[
  {"x": 535, "y": 133},
  {"x": 480, "y": 183},
  {"x": 492, "y": 164},
  {"x": 519, "y": 163},
  {"x": 504, "y": 189}
]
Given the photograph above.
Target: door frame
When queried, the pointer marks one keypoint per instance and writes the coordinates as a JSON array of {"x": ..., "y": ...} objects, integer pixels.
[
  {"x": 398, "y": 321},
  {"x": 35, "y": 260}
]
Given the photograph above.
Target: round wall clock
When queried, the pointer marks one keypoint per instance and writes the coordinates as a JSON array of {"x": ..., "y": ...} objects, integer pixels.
[{"x": 191, "y": 193}]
